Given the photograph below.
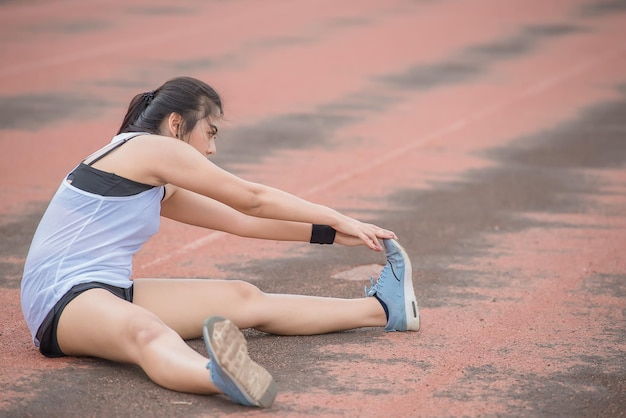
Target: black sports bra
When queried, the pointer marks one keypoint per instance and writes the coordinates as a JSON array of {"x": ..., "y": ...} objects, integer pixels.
[{"x": 90, "y": 179}]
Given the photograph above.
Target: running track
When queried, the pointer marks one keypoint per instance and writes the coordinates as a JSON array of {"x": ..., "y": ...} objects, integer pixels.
[{"x": 490, "y": 135}]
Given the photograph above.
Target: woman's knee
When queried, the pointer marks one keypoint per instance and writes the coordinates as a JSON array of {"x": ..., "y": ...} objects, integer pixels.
[
  {"x": 246, "y": 292},
  {"x": 146, "y": 328}
]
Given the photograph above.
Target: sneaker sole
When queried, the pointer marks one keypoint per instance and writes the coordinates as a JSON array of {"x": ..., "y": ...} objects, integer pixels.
[
  {"x": 228, "y": 347},
  {"x": 410, "y": 301}
]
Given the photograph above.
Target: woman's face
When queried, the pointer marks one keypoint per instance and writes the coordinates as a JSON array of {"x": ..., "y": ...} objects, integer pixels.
[{"x": 203, "y": 136}]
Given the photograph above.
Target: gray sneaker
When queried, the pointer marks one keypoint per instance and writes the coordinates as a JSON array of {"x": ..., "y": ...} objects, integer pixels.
[
  {"x": 394, "y": 288},
  {"x": 232, "y": 370}
]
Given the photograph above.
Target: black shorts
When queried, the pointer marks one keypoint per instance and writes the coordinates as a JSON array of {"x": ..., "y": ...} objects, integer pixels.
[{"x": 47, "y": 332}]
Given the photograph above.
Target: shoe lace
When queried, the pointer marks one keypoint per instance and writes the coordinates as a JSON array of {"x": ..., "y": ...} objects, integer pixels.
[{"x": 376, "y": 286}]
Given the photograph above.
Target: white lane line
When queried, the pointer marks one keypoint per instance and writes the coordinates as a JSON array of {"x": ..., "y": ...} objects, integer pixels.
[{"x": 461, "y": 123}]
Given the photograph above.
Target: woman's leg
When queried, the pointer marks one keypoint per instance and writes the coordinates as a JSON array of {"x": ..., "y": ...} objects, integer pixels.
[
  {"x": 183, "y": 304},
  {"x": 96, "y": 323}
]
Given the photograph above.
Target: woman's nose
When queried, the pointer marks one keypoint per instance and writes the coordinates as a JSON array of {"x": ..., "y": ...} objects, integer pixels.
[{"x": 211, "y": 148}]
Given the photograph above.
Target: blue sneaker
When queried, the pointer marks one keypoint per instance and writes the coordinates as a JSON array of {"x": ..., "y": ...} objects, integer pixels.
[
  {"x": 394, "y": 288},
  {"x": 232, "y": 370}
]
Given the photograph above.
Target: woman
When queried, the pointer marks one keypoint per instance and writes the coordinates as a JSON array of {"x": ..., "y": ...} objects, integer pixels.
[{"x": 77, "y": 295}]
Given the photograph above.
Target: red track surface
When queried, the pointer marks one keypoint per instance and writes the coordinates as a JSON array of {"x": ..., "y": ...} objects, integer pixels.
[{"x": 489, "y": 135}]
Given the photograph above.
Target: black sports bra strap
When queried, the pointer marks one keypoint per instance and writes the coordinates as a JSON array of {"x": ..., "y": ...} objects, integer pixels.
[{"x": 108, "y": 151}]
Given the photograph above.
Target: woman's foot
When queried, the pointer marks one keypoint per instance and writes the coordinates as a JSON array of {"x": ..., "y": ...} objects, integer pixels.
[
  {"x": 232, "y": 370},
  {"x": 394, "y": 289}
]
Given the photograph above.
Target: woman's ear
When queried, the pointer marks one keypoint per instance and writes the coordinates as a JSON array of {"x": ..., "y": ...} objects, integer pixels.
[{"x": 174, "y": 124}]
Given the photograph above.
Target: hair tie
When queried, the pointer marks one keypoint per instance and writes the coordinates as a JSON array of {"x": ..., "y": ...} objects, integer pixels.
[{"x": 148, "y": 96}]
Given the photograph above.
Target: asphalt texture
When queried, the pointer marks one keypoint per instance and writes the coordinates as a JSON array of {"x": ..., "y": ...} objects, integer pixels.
[{"x": 489, "y": 135}]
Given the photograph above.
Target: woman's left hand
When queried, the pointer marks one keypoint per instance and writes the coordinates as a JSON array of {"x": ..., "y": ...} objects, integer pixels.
[{"x": 368, "y": 235}]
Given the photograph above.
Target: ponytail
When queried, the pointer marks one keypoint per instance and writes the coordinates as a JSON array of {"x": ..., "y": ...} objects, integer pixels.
[{"x": 137, "y": 106}]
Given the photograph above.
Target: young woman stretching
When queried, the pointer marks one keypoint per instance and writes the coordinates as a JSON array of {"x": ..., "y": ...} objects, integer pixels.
[{"x": 76, "y": 292}]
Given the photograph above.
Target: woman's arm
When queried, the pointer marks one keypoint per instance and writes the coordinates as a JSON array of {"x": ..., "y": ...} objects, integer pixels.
[
  {"x": 178, "y": 163},
  {"x": 194, "y": 209}
]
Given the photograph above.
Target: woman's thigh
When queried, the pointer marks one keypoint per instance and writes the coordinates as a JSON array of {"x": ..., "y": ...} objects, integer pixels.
[
  {"x": 99, "y": 324},
  {"x": 184, "y": 304}
]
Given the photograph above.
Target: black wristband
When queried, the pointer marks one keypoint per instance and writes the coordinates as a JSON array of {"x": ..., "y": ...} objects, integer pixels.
[{"x": 322, "y": 234}]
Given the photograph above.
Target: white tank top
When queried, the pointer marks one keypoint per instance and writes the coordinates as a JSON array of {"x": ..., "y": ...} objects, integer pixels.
[{"x": 84, "y": 237}]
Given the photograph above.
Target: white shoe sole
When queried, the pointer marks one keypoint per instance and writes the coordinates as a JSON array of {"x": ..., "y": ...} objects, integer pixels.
[{"x": 410, "y": 301}]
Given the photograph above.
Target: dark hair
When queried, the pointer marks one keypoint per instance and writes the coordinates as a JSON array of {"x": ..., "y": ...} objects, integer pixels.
[{"x": 192, "y": 99}]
